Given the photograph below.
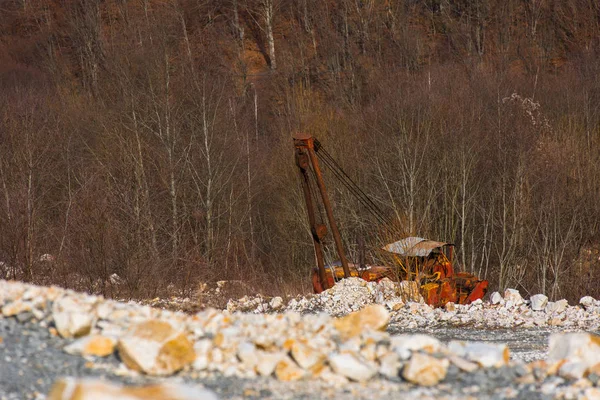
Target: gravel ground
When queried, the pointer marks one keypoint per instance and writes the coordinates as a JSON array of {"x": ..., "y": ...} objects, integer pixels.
[{"x": 31, "y": 359}]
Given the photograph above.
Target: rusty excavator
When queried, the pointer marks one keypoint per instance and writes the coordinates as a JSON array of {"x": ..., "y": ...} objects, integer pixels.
[{"x": 427, "y": 262}]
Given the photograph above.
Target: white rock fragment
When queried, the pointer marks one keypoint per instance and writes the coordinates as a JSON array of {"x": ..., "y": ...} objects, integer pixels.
[
  {"x": 372, "y": 317},
  {"x": 88, "y": 389},
  {"x": 305, "y": 355},
  {"x": 538, "y": 302},
  {"x": 287, "y": 370},
  {"x": 268, "y": 361},
  {"x": 425, "y": 370},
  {"x": 496, "y": 298},
  {"x": 248, "y": 355},
  {"x": 556, "y": 307},
  {"x": 483, "y": 353},
  {"x": 463, "y": 364},
  {"x": 389, "y": 365},
  {"x": 92, "y": 345},
  {"x": 71, "y": 317},
  {"x": 572, "y": 370},
  {"x": 580, "y": 350},
  {"x": 513, "y": 296},
  {"x": 587, "y": 302},
  {"x": 403, "y": 345},
  {"x": 156, "y": 347},
  {"x": 276, "y": 303},
  {"x": 351, "y": 367},
  {"x": 202, "y": 350}
]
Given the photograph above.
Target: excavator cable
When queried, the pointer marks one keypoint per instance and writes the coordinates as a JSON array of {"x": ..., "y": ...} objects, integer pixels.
[
  {"x": 328, "y": 160},
  {"x": 353, "y": 190},
  {"x": 349, "y": 183},
  {"x": 360, "y": 194}
]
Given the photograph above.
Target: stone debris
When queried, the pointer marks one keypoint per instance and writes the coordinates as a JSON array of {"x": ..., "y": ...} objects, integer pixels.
[
  {"x": 88, "y": 389},
  {"x": 346, "y": 296},
  {"x": 302, "y": 342}
]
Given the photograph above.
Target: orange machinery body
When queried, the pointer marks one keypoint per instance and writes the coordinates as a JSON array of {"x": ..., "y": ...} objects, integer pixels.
[{"x": 445, "y": 286}]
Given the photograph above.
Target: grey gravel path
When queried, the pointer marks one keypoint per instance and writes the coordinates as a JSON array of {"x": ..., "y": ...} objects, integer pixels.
[{"x": 31, "y": 360}]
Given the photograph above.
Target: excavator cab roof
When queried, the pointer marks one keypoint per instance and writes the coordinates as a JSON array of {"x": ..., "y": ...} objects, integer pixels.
[{"x": 415, "y": 247}]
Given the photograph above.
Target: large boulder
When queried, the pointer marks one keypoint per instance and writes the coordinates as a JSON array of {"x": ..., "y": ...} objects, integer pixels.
[
  {"x": 87, "y": 389},
  {"x": 156, "y": 348}
]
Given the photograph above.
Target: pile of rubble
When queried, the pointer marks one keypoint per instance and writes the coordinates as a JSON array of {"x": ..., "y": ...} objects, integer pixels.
[
  {"x": 408, "y": 310},
  {"x": 291, "y": 346},
  {"x": 347, "y": 296}
]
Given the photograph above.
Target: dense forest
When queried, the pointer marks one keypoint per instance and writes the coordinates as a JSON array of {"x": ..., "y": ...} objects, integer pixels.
[{"x": 152, "y": 138}]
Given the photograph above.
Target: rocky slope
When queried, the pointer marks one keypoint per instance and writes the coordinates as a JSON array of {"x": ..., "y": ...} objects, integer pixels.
[{"x": 339, "y": 341}]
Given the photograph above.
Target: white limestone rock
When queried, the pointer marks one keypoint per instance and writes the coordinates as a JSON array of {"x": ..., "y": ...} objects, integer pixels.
[
  {"x": 404, "y": 345},
  {"x": 248, "y": 355},
  {"x": 202, "y": 349},
  {"x": 572, "y": 370},
  {"x": 496, "y": 298},
  {"x": 92, "y": 345},
  {"x": 305, "y": 355},
  {"x": 556, "y": 307},
  {"x": 156, "y": 347},
  {"x": 425, "y": 370},
  {"x": 574, "y": 348},
  {"x": 16, "y": 307},
  {"x": 287, "y": 370},
  {"x": 513, "y": 296},
  {"x": 72, "y": 317},
  {"x": 462, "y": 364},
  {"x": 587, "y": 302},
  {"x": 483, "y": 353},
  {"x": 90, "y": 389},
  {"x": 267, "y": 362},
  {"x": 351, "y": 366},
  {"x": 538, "y": 302},
  {"x": 389, "y": 365},
  {"x": 276, "y": 303}
]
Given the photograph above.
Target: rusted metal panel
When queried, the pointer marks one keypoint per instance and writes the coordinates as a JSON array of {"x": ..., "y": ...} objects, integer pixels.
[{"x": 414, "y": 247}]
